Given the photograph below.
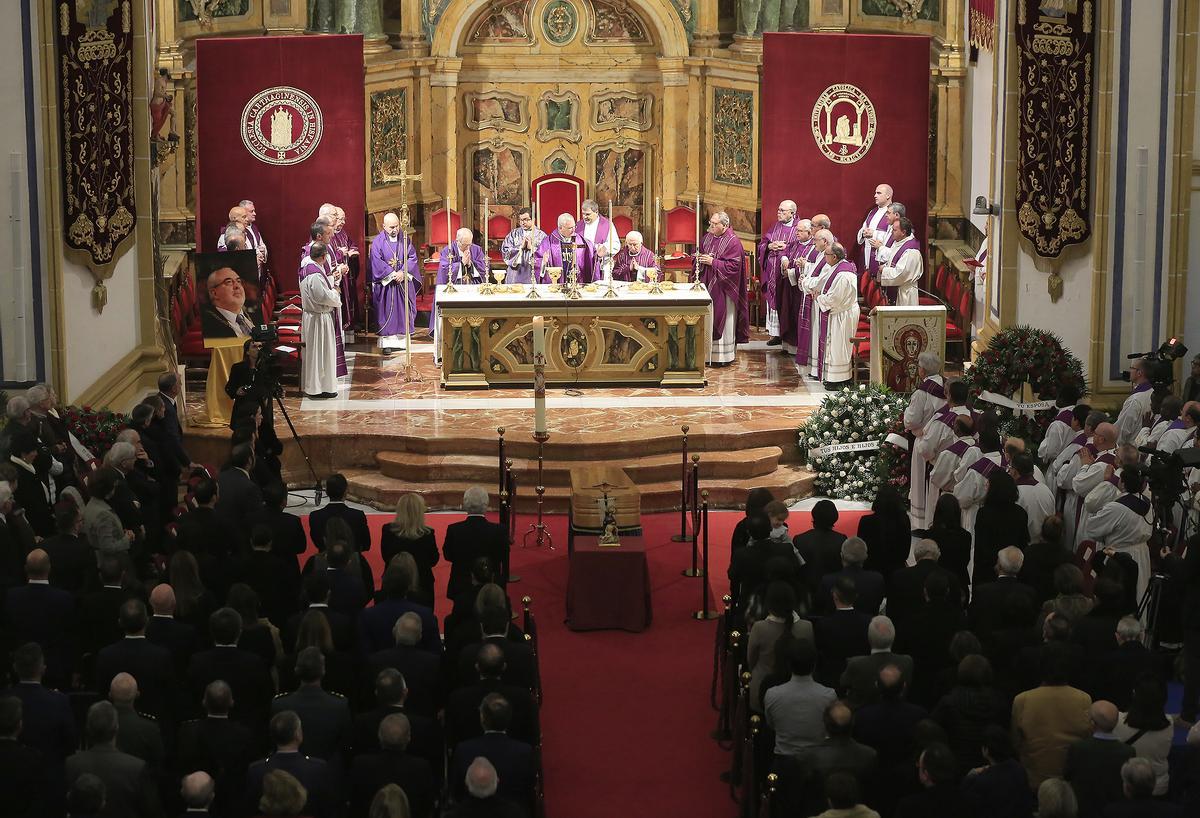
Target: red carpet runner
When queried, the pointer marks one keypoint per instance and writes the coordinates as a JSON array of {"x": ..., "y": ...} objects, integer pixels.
[{"x": 626, "y": 716}]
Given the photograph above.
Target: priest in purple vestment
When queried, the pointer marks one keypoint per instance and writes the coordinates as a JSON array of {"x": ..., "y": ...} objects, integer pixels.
[
  {"x": 788, "y": 294},
  {"x": 345, "y": 250},
  {"x": 520, "y": 247},
  {"x": 810, "y": 282},
  {"x": 630, "y": 263},
  {"x": 462, "y": 262},
  {"x": 770, "y": 249},
  {"x": 723, "y": 272},
  {"x": 550, "y": 254},
  {"x": 394, "y": 283},
  {"x": 322, "y": 231},
  {"x": 598, "y": 231}
]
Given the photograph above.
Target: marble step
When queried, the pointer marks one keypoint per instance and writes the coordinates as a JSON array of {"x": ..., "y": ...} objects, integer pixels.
[
  {"x": 659, "y": 468},
  {"x": 373, "y": 488}
]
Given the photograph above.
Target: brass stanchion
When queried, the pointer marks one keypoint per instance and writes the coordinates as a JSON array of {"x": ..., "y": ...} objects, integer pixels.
[
  {"x": 539, "y": 528},
  {"x": 682, "y": 536},
  {"x": 695, "y": 571},
  {"x": 706, "y": 612},
  {"x": 500, "y": 455}
]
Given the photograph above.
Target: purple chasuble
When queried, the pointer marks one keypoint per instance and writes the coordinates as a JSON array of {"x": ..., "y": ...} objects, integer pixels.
[
  {"x": 725, "y": 279},
  {"x": 624, "y": 263},
  {"x": 394, "y": 303},
  {"x": 769, "y": 259},
  {"x": 549, "y": 254},
  {"x": 804, "y": 315}
]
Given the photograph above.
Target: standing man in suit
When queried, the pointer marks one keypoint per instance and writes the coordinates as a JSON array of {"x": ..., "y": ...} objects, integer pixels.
[
  {"x": 335, "y": 487},
  {"x": 987, "y": 611},
  {"x": 868, "y": 585},
  {"x": 1093, "y": 765},
  {"x": 312, "y": 773},
  {"x": 326, "y": 714},
  {"x": 219, "y": 746},
  {"x": 168, "y": 390},
  {"x": 39, "y": 612},
  {"x": 49, "y": 726},
  {"x": 244, "y": 671},
  {"x": 164, "y": 630},
  {"x": 28, "y": 789},
  {"x": 127, "y": 790},
  {"x": 392, "y": 765},
  {"x": 906, "y": 587},
  {"x": 148, "y": 663},
  {"x": 840, "y": 634},
  {"x": 861, "y": 676},
  {"x": 31, "y": 492},
  {"x": 512, "y": 759},
  {"x": 288, "y": 539},
  {"x": 238, "y": 498},
  {"x": 474, "y": 537}
]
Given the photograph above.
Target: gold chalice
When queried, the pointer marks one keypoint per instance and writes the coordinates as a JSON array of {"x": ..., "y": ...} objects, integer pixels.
[
  {"x": 652, "y": 275},
  {"x": 555, "y": 277},
  {"x": 499, "y": 276}
]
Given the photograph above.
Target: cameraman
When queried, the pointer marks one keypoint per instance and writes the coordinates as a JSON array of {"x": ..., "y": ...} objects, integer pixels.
[
  {"x": 1135, "y": 412},
  {"x": 252, "y": 385}
]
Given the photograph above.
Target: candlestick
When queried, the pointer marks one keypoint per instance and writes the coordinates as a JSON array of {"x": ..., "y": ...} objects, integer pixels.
[
  {"x": 539, "y": 376},
  {"x": 657, "y": 209}
]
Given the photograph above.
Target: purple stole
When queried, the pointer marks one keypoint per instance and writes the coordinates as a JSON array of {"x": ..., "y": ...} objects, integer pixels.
[
  {"x": 985, "y": 466},
  {"x": 959, "y": 447},
  {"x": 1176, "y": 425},
  {"x": 1029, "y": 480},
  {"x": 929, "y": 386},
  {"x": 842, "y": 266},
  {"x": 804, "y": 316},
  {"x": 1136, "y": 503},
  {"x": 872, "y": 258},
  {"x": 1065, "y": 416},
  {"x": 947, "y": 415},
  {"x": 1109, "y": 458},
  {"x": 308, "y": 267},
  {"x": 769, "y": 260},
  {"x": 1143, "y": 387},
  {"x": 339, "y": 340}
]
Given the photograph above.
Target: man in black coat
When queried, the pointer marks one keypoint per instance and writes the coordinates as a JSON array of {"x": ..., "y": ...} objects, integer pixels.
[
  {"x": 219, "y": 746},
  {"x": 990, "y": 600},
  {"x": 72, "y": 559},
  {"x": 316, "y": 591},
  {"x": 164, "y": 630},
  {"x": 312, "y": 773},
  {"x": 29, "y": 789},
  {"x": 926, "y": 635},
  {"x": 211, "y": 536},
  {"x": 840, "y": 634},
  {"x": 869, "y": 585},
  {"x": 127, "y": 788},
  {"x": 474, "y": 537},
  {"x": 513, "y": 760},
  {"x": 860, "y": 681},
  {"x": 939, "y": 796},
  {"x": 481, "y": 799},
  {"x": 288, "y": 539},
  {"x": 31, "y": 492},
  {"x": 422, "y": 670},
  {"x": 238, "y": 498},
  {"x": 275, "y": 577},
  {"x": 335, "y": 487},
  {"x": 136, "y": 655},
  {"x": 519, "y": 661},
  {"x": 392, "y": 765},
  {"x": 325, "y": 716},
  {"x": 906, "y": 586},
  {"x": 243, "y": 670},
  {"x": 198, "y": 791},
  {"x": 839, "y": 752},
  {"x": 136, "y": 734},
  {"x": 820, "y": 548},
  {"x": 39, "y": 612},
  {"x": 462, "y": 708},
  {"x": 49, "y": 726},
  {"x": 1093, "y": 765},
  {"x": 390, "y": 692},
  {"x": 100, "y": 611},
  {"x": 1114, "y": 673},
  {"x": 1137, "y": 778},
  {"x": 168, "y": 390}
]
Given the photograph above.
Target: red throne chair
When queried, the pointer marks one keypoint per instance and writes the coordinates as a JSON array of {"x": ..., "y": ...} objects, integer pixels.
[
  {"x": 498, "y": 226},
  {"x": 680, "y": 233},
  {"x": 553, "y": 194},
  {"x": 623, "y": 224},
  {"x": 439, "y": 232}
]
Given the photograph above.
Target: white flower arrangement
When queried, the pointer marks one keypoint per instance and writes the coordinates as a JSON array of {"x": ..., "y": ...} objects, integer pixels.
[{"x": 861, "y": 417}]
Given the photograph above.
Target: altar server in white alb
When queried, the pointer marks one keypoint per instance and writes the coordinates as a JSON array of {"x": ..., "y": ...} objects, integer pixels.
[
  {"x": 1124, "y": 525},
  {"x": 1059, "y": 432},
  {"x": 1136, "y": 408},
  {"x": 874, "y": 226},
  {"x": 1179, "y": 432},
  {"x": 1109, "y": 489},
  {"x": 1096, "y": 463},
  {"x": 942, "y": 477},
  {"x": 1067, "y": 466},
  {"x": 319, "y": 302},
  {"x": 970, "y": 481},
  {"x": 938, "y": 434},
  {"x": 906, "y": 265},
  {"x": 927, "y": 399},
  {"x": 1033, "y": 495},
  {"x": 838, "y": 306}
]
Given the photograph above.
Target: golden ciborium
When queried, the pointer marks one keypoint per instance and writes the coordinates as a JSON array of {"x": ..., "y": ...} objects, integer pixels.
[
  {"x": 499, "y": 276},
  {"x": 555, "y": 274},
  {"x": 652, "y": 276}
]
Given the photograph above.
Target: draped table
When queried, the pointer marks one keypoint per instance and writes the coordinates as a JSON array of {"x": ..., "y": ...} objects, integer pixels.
[
  {"x": 608, "y": 587},
  {"x": 635, "y": 338}
]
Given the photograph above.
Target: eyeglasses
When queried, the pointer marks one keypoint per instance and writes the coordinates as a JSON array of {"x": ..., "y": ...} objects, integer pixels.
[{"x": 227, "y": 282}]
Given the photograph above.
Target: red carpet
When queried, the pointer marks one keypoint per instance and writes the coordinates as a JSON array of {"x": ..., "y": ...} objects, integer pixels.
[{"x": 626, "y": 716}]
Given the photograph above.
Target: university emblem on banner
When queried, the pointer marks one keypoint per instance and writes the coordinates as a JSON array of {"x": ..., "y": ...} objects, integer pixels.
[
  {"x": 281, "y": 125},
  {"x": 843, "y": 123}
]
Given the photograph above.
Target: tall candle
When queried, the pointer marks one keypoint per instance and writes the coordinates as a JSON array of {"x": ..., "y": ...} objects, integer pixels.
[
  {"x": 657, "y": 208},
  {"x": 539, "y": 376}
]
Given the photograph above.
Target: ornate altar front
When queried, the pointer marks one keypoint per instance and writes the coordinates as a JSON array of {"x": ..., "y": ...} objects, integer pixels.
[{"x": 635, "y": 338}]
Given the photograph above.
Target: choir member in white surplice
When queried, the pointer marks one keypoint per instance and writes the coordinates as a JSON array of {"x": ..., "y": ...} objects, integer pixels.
[
  {"x": 322, "y": 231},
  {"x": 1032, "y": 495},
  {"x": 905, "y": 267},
  {"x": 519, "y": 249},
  {"x": 970, "y": 481},
  {"x": 770, "y": 251},
  {"x": 1124, "y": 526},
  {"x": 884, "y": 249},
  {"x": 810, "y": 278},
  {"x": 394, "y": 283},
  {"x": 838, "y": 305},
  {"x": 959, "y": 451},
  {"x": 319, "y": 302},
  {"x": 874, "y": 226},
  {"x": 254, "y": 237},
  {"x": 1137, "y": 406},
  {"x": 723, "y": 273},
  {"x": 1096, "y": 464},
  {"x": 927, "y": 399},
  {"x": 239, "y": 218},
  {"x": 1180, "y": 431},
  {"x": 599, "y": 232},
  {"x": 1108, "y": 489},
  {"x": 938, "y": 434},
  {"x": 1059, "y": 432}
]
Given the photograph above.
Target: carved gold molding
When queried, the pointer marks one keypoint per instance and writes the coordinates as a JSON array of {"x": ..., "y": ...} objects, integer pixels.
[
  {"x": 571, "y": 133},
  {"x": 620, "y": 110},
  {"x": 497, "y": 117}
]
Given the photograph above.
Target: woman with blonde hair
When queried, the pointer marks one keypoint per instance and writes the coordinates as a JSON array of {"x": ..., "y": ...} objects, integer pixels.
[
  {"x": 407, "y": 533},
  {"x": 282, "y": 795},
  {"x": 390, "y": 802}
]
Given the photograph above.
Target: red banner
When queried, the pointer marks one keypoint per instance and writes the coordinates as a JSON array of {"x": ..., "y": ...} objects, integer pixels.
[
  {"x": 841, "y": 114},
  {"x": 279, "y": 121}
]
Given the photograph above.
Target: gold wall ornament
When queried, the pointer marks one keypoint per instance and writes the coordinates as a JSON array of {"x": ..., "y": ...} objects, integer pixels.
[
  {"x": 498, "y": 110},
  {"x": 843, "y": 123},
  {"x": 616, "y": 110},
  {"x": 204, "y": 11},
  {"x": 558, "y": 116},
  {"x": 909, "y": 9},
  {"x": 503, "y": 23},
  {"x": 733, "y": 136}
]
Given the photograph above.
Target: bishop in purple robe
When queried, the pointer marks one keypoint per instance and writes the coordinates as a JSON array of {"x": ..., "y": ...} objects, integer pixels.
[
  {"x": 395, "y": 281},
  {"x": 549, "y": 252},
  {"x": 632, "y": 259},
  {"x": 788, "y": 295},
  {"x": 519, "y": 248},
  {"x": 460, "y": 263},
  {"x": 723, "y": 272},
  {"x": 770, "y": 250}
]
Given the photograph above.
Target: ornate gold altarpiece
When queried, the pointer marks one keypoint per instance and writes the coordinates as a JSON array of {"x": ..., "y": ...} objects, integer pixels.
[{"x": 637, "y": 338}]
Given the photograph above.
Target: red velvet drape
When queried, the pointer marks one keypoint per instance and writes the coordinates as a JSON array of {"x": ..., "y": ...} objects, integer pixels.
[
  {"x": 893, "y": 71},
  {"x": 231, "y": 71}
]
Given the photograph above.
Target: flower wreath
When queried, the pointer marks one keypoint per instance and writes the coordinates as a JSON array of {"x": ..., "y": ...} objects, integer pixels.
[{"x": 844, "y": 441}]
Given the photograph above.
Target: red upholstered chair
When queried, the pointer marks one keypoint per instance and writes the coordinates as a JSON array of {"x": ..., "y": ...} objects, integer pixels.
[
  {"x": 623, "y": 225},
  {"x": 498, "y": 226},
  {"x": 554, "y": 194},
  {"x": 679, "y": 229},
  {"x": 439, "y": 231}
]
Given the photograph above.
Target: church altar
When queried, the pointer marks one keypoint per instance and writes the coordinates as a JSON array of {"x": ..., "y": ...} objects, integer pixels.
[{"x": 634, "y": 338}]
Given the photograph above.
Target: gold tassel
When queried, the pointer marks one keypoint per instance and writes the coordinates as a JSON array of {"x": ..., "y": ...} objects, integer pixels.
[
  {"x": 99, "y": 296},
  {"x": 1054, "y": 286}
]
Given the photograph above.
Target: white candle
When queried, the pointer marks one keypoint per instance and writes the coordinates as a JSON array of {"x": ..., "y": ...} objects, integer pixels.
[
  {"x": 657, "y": 208},
  {"x": 539, "y": 376}
]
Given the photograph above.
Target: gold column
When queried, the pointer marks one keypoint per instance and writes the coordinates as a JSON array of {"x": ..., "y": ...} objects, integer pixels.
[
  {"x": 443, "y": 122},
  {"x": 692, "y": 176},
  {"x": 706, "y": 37},
  {"x": 1187, "y": 26},
  {"x": 412, "y": 36},
  {"x": 948, "y": 76},
  {"x": 675, "y": 141}
]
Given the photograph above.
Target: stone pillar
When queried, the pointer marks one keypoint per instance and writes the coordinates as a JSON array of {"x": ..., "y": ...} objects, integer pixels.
[
  {"x": 413, "y": 42},
  {"x": 363, "y": 17},
  {"x": 675, "y": 139},
  {"x": 948, "y": 77},
  {"x": 443, "y": 125},
  {"x": 706, "y": 37}
]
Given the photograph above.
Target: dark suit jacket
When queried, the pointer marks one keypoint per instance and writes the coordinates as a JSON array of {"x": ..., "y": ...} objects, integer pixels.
[
  {"x": 179, "y": 638},
  {"x": 1093, "y": 768},
  {"x": 462, "y": 711},
  {"x": 423, "y": 549},
  {"x": 369, "y": 773},
  {"x": 748, "y": 567},
  {"x": 422, "y": 674},
  {"x": 98, "y": 614},
  {"x": 860, "y": 678},
  {"x": 326, "y": 719},
  {"x": 518, "y": 660},
  {"x": 214, "y": 325},
  {"x": 47, "y": 722},
  {"x": 512, "y": 759},
  {"x": 987, "y": 611},
  {"x": 140, "y": 737},
  {"x": 839, "y": 636},
  {"x": 375, "y": 625},
  {"x": 275, "y": 578},
  {"x": 1113, "y": 674},
  {"x": 46, "y": 615},
  {"x": 174, "y": 429},
  {"x": 1038, "y": 569},
  {"x": 243, "y": 671},
  {"x": 427, "y": 741},
  {"x": 72, "y": 562},
  {"x": 214, "y": 540},
  {"x": 869, "y": 584},
  {"x": 1143, "y": 808},
  {"x": 494, "y": 807},
  {"x": 238, "y": 498},
  {"x": 996, "y": 527},
  {"x": 906, "y": 588},
  {"x": 468, "y": 540},
  {"x": 287, "y": 532},
  {"x": 29, "y": 789},
  {"x": 1000, "y": 791},
  {"x": 822, "y": 553},
  {"x": 224, "y": 749},
  {"x": 926, "y": 637},
  {"x": 312, "y": 773},
  {"x": 357, "y": 520},
  {"x": 887, "y": 544},
  {"x": 152, "y": 666},
  {"x": 127, "y": 791},
  {"x": 30, "y": 494}
]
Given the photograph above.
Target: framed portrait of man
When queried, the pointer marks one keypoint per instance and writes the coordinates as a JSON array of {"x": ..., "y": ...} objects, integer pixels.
[{"x": 229, "y": 296}]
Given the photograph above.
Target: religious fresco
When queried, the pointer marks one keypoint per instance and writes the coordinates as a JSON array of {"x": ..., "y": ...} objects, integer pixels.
[
  {"x": 614, "y": 22},
  {"x": 560, "y": 22},
  {"x": 619, "y": 176},
  {"x": 498, "y": 173},
  {"x": 733, "y": 136},
  {"x": 559, "y": 162},
  {"x": 496, "y": 109},
  {"x": 389, "y": 133},
  {"x": 505, "y": 22},
  {"x": 617, "y": 110},
  {"x": 222, "y": 8},
  {"x": 908, "y": 10},
  {"x": 558, "y": 116}
]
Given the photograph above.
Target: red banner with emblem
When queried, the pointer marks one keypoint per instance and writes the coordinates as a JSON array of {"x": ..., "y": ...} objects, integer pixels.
[
  {"x": 841, "y": 114},
  {"x": 279, "y": 121}
]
